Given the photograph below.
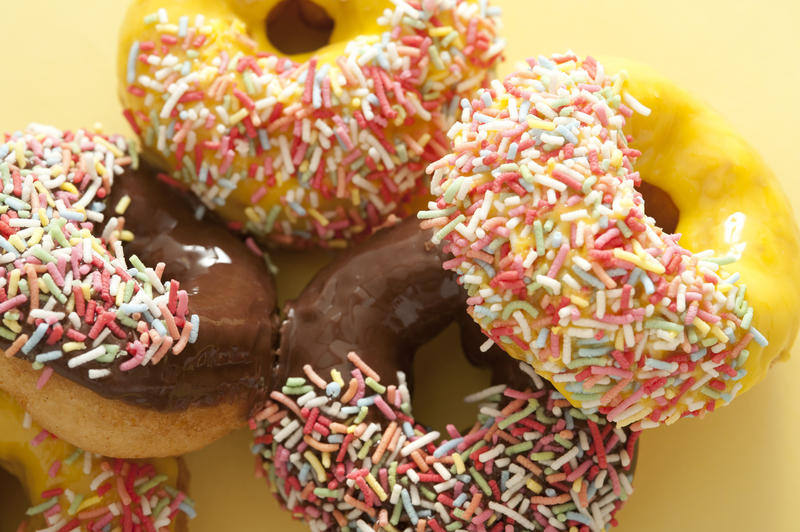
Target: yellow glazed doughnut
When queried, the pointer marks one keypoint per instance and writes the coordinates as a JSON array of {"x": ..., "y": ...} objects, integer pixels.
[
  {"x": 72, "y": 490},
  {"x": 308, "y": 148},
  {"x": 541, "y": 207}
]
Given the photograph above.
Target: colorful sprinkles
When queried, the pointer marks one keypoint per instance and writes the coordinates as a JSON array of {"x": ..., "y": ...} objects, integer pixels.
[
  {"x": 350, "y": 456},
  {"x": 121, "y": 494},
  {"x": 539, "y": 208},
  {"x": 67, "y": 289},
  {"x": 315, "y": 152}
]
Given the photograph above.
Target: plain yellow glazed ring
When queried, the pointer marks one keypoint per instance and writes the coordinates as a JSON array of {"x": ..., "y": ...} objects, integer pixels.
[
  {"x": 541, "y": 206},
  {"x": 310, "y": 148},
  {"x": 70, "y": 489}
]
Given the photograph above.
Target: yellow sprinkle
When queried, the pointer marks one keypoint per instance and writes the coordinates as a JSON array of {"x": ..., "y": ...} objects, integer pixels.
[
  {"x": 112, "y": 148},
  {"x": 100, "y": 168},
  {"x": 544, "y": 125},
  {"x": 318, "y": 216},
  {"x": 69, "y": 187},
  {"x": 337, "y": 243},
  {"x": 337, "y": 377},
  {"x": 303, "y": 166},
  {"x": 19, "y": 152},
  {"x": 126, "y": 236},
  {"x": 56, "y": 170},
  {"x": 376, "y": 487},
  {"x": 96, "y": 246},
  {"x": 87, "y": 291},
  {"x": 238, "y": 116},
  {"x": 73, "y": 346},
  {"x": 42, "y": 286},
  {"x": 13, "y": 283},
  {"x": 635, "y": 417},
  {"x": 17, "y": 242},
  {"x": 460, "y": 469},
  {"x": 673, "y": 418},
  {"x": 669, "y": 393},
  {"x": 619, "y": 341},
  {"x": 88, "y": 503},
  {"x": 423, "y": 140},
  {"x": 702, "y": 326},
  {"x": 579, "y": 301},
  {"x": 36, "y": 236},
  {"x": 167, "y": 28},
  {"x": 533, "y": 486},
  {"x": 616, "y": 158},
  {"x": 252, "y": 215},
  {"x": 627, "y": 256},
  {"x": 718, "y": 334},
  {"x": 356, "y": 102},
  {"x": 13, "y": 325},
  {"x": 318, "y": 469},
  {"x": 120, "y": 294},
  {"x": 122, "y": 204},
  {"x": 355, "y": 196},
  {"x": 576, "y": 486},
  {"x": 441, "y": 31},
  {"x": 43, "y": 190},
  {"x": 43, "y": 219},
  {"x": 326, "y": 459}
]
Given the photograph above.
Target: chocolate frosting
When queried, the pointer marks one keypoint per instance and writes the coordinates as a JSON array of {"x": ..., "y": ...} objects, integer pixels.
[
  {"x": 382, "y": 299},
  {"x": 229, "y": 288}
]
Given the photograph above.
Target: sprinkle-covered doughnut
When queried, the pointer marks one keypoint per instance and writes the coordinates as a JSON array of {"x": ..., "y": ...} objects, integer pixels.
[
  {"x": 305, "y": 149},
  {"x": 540, "y": 209},
  {"x": 73, "y": 490},
  {"x": 345, "y": 451},
  {"x": 159, "y": 333}
]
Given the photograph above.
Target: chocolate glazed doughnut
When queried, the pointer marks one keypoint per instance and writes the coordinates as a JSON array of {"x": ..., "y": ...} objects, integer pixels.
[
  {"x": 345, "y": 449},
  {"x": 130, "y": 408}
]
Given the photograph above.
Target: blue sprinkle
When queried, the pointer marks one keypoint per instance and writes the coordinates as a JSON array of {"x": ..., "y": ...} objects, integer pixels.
[
  {"x": 733, "y": 278},
  {"x": 366, "y": 401},
  {"x": 486, "y": 98},
  {"x": 482, "y": 118},
  {"x": 648, "y": 284},
  {"x": 72, "y": 215},
  {"x": 658, "y": 364},
  {"x": 412, "y": 513},
  {"x": 541, "y": 340},
  {"x": 6, "y": 245},
  {"x": 131, "y": 308},
  {"x": 588, "y": 278},
  {"x": 187, "y": 509},
  {"x": 371, "y": 98},
  {"x": 16, "y": 204},
  {"x": 697, "y": 355},
  {"x": 464, "y": 105},
  {"x": 408, "y": 429},
  {"x": 195, "y": 321},
  {"x": 486, "y": 267},
  {"x": 740, "y": 374},
  {"x": 512, "y": 151},
  {"x": 50, "y": 355},
  {"x": 304, "y": 471},
  {"x": 758, "y": 337},
  {"x": 256, "y": 449},
  {"x": 133, "y": 54},
  {"x": 296, "y": 207},
  {"x": 335, "y": 438},
  {"x": 350, "y": 410},
  {"x": 594, "y": 351},
  {"x": 567, "y": 134},
  {"x": 183, "y": 24},
  {"x": 35, "y": 338},
  {"x": 159, "y": 327},
  {"x": 186, "y": 68},
  {"x": 617, "y": 272},
  {"x": 545, "y": 62},
  {"x": 575, "y": 516},
  {"x": 226, "y": 183},
  {"x": 446, "y": 447},
  {"x": 524, "y": 109},
  {"x": 333, "y": 389},
  {"x": 460, "y": 500},
  {"x": 4, "y": 150},
  {"x": 263, "y": 139},
  {"x": 202, "y": 174}
]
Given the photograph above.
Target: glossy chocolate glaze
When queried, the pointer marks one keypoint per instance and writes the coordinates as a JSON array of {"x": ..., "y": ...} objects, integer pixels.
[
  {"x": 228, "y": 287},
  {"x": 383, "y": 299}
]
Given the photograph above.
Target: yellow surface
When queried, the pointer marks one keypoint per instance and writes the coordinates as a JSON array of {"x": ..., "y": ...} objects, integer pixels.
[{"x": 736, "y": 470}]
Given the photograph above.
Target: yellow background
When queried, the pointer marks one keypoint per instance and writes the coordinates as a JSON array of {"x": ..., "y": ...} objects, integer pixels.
[{"x": 737, "y": 470}]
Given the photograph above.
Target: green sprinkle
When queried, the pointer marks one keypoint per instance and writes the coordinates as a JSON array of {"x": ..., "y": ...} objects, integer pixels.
[{"x": 480, "y": 481}]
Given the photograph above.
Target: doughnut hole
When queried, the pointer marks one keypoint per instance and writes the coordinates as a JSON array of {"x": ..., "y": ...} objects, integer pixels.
[
  {"x": 442, "y": 378},
  {"x": 658, "y": 204},
  {"x": 298, "y": 26},
  {"x": 12, "y": 503}
]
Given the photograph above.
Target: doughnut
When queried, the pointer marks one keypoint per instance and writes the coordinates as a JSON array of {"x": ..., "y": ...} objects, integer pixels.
[
  {"x": 546, "y": 206},
  {"x": 90, "y": 321},
  {"x": 346, "y": 452},
  {"x": 71, "y": 489},
  {"x": 305, "y": 149}
]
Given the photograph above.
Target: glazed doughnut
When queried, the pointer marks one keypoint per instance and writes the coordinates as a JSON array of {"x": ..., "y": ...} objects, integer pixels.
[
  {"x": 565, "y": 267},
  {"x": 88, "y": 325},
  {"x": 302, "y": 149},
  {"x": 75, "y": 490},
  {"x": 346, "y": 452}
]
